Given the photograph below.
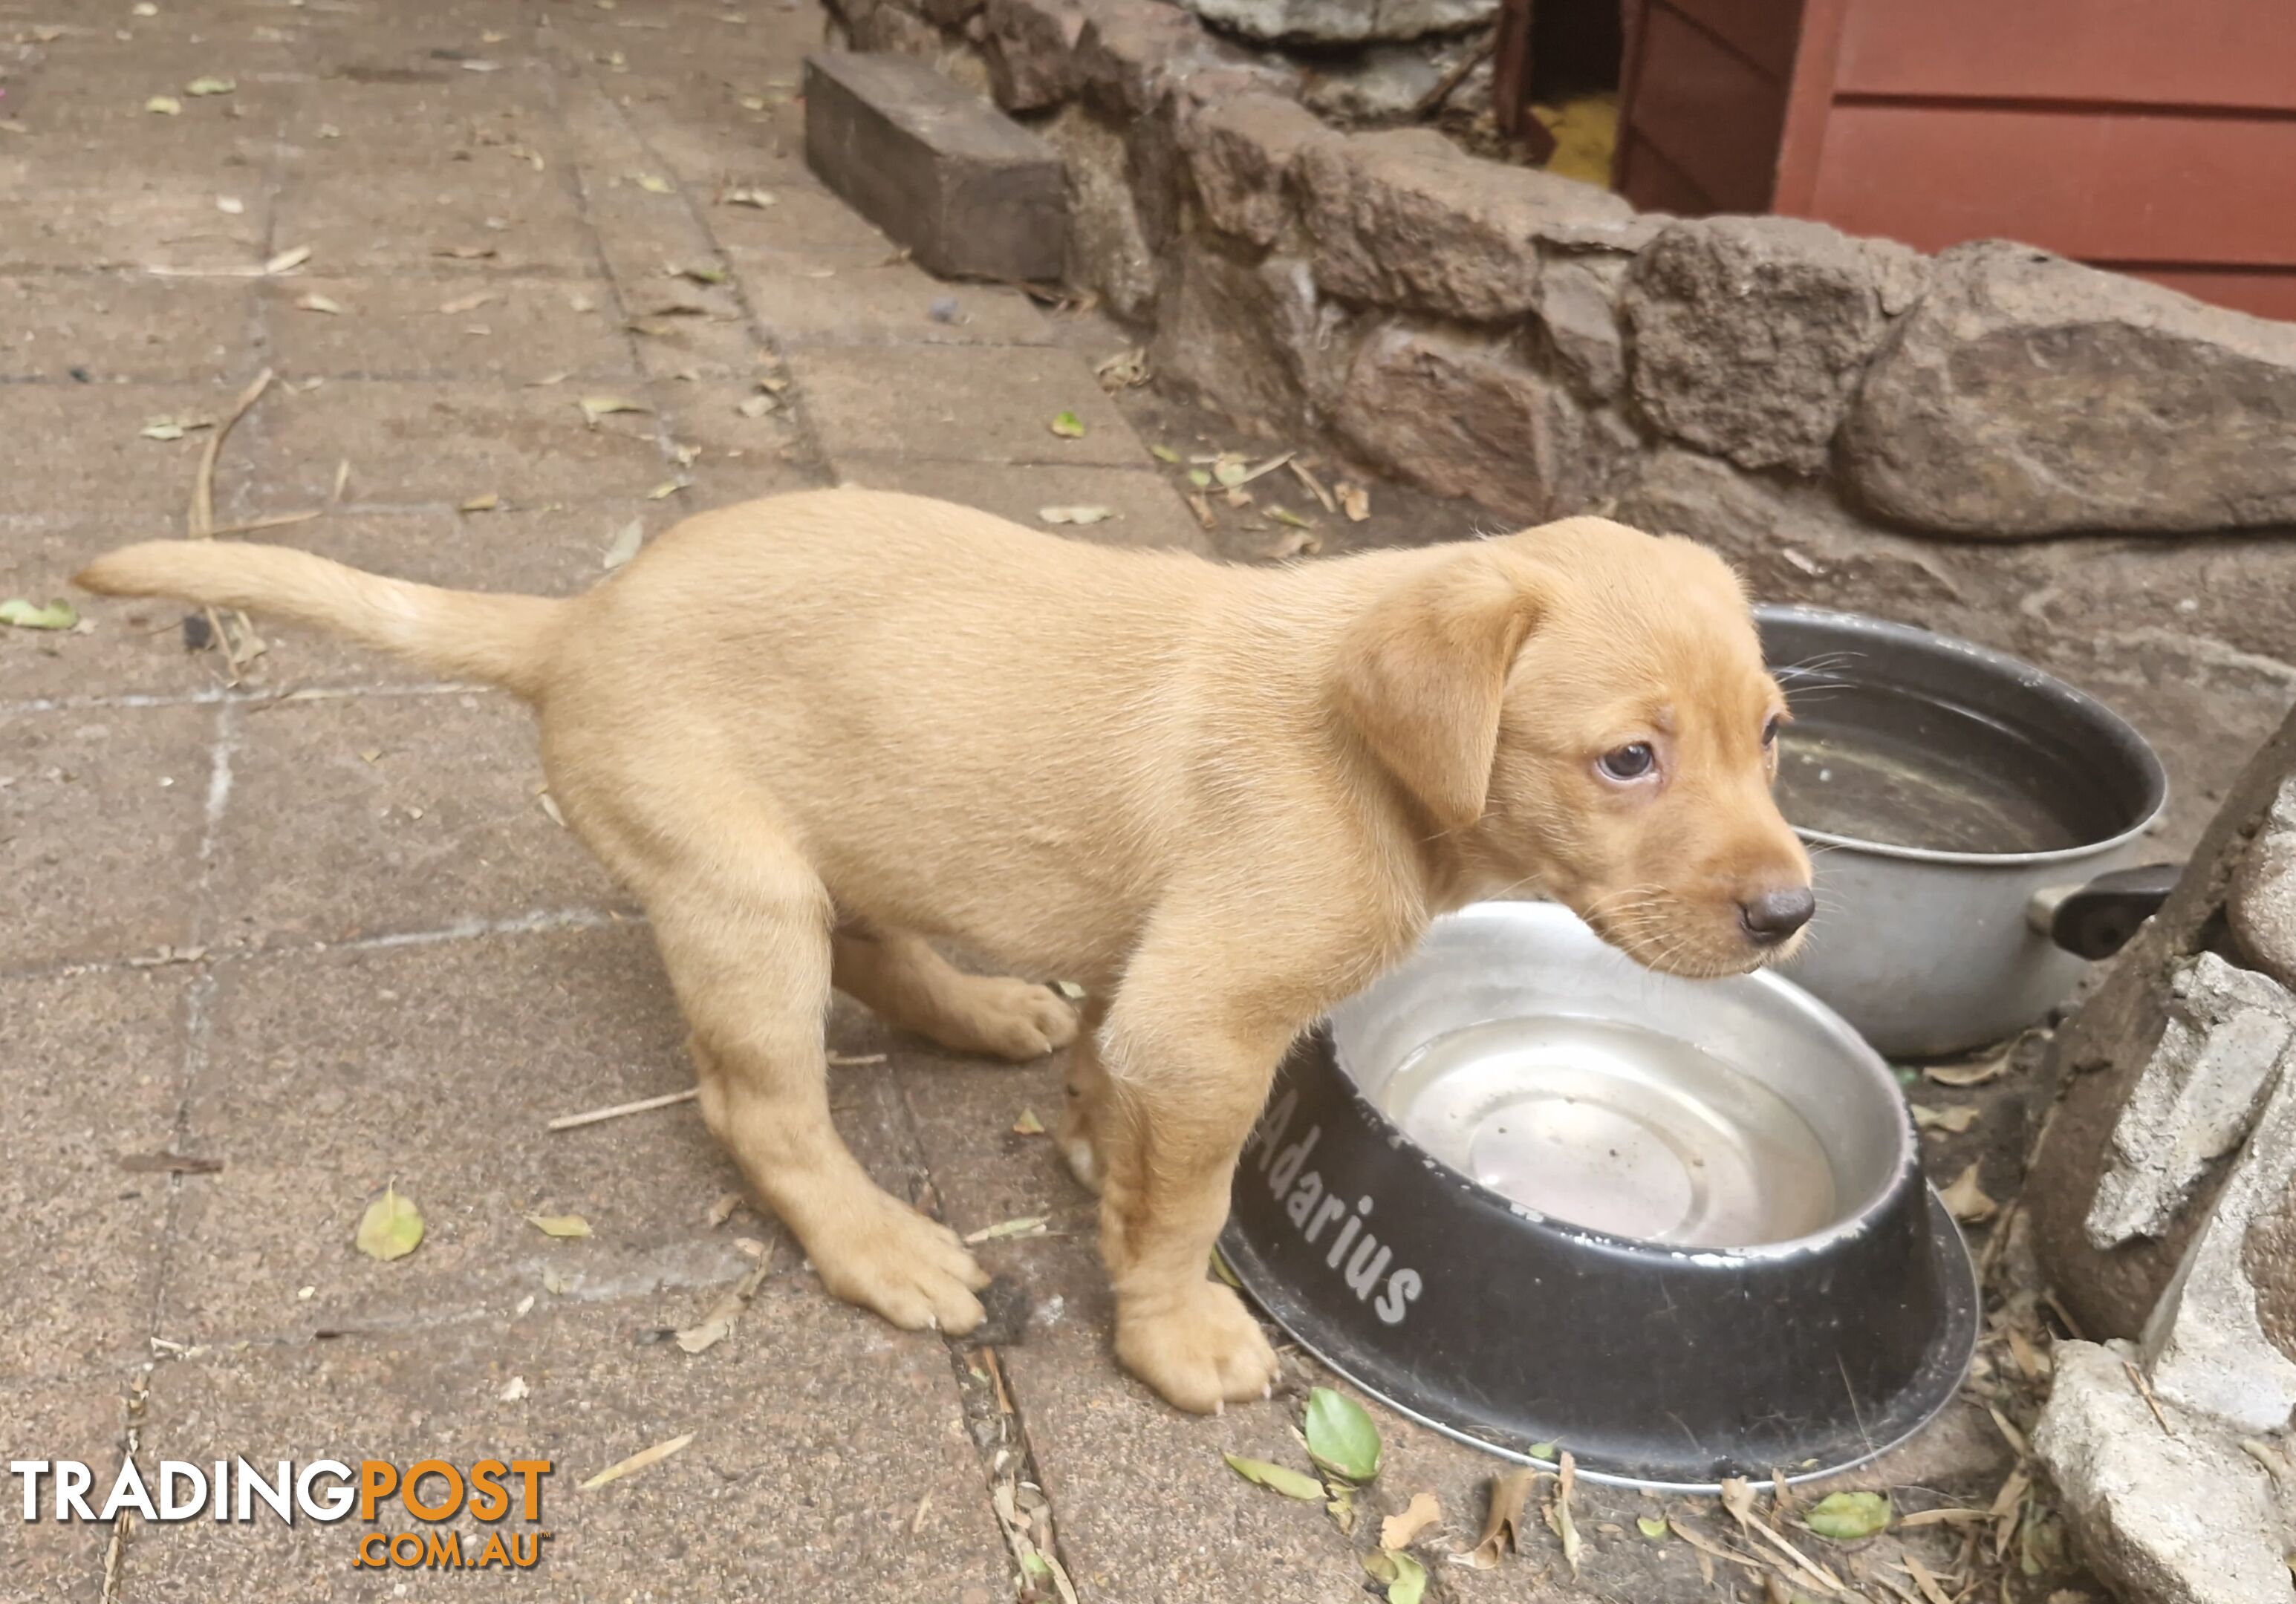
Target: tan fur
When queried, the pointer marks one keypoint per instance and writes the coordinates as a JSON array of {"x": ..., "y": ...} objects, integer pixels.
[{"x": 810, "y": 732}]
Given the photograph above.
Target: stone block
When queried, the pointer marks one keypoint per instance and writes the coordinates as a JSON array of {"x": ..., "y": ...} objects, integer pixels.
[
  {"x": 1576, "y": 302},
  {"x": 1750, "y": 332},
  {"x": 1029, "y": 46},
  {"x": 1108, "y": 247},
  {"x": 2228, "y": 1034},
  {"x": 1466, "y": 419},
  {"x": 2030, "y": 396},
  {"x": 972, "y": 194},
  {"x": 2167, "y": 1520},
  {"x": 1240, "y": 154},
  {"x": 1405, "y": 219},
  {"x": 1232, "y": 331},
  {"x": 2262, "y": 905},
  {"x": 1343, "y": 22}
]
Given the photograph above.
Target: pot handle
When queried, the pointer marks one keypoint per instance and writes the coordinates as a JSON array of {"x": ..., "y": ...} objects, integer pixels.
[{"x": 2095, "y": 921}]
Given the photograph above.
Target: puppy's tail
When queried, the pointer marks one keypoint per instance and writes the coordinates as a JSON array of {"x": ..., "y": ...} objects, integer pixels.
[{"x": 504, "y": 640}]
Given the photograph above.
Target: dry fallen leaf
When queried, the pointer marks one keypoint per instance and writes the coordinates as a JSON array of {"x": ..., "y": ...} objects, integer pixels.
[
  {"x": 722, "y": 1210},
  {"x": 758, "y": 405},
  {"x": 469, "y": 303},
  {"x": 211, "y": 86},
  {"x": 1969, "y": 1074},
  {"x": 1075, "y": 515},
  {"x": 1354, "y": 501},
  {"x": 1125, "y": 370},
  {"x": 1966, "y": 1200},
  {"x": 1027, "y": 1124},
  {"x": 559, "y": 1225},
  {"x": 759, "y": 198},
  {"x": 1953, "y": 1121},
  {"x": 164, "y": 105},
  {"x": 315, "y": 302},
  {"x": 625, "y": 545},
  {"x": 1400, "y": 1531},
  {"x": 1503, "y": 1521},
  {"x": 391, "y": 1228},
  {"x": 595, "y": 407},
  {"x": 1558, "y": 1512},
  {"x": 653, "y": 184},
  {"x": 516, "y": 1390},
  {"x": 1024, "y": 1226},
  {"x": 717, "y": 1325},
  {"x": 635, "y": 1463},
  {"x": 482, "y": 503}
]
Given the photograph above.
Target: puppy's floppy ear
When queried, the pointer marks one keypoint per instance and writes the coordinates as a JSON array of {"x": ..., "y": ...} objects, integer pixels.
[{"x": 1422, "y": 670}]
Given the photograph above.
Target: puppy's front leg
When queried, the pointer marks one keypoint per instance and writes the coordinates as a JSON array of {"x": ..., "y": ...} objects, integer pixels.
[{"x": 1188, "y": 1061}]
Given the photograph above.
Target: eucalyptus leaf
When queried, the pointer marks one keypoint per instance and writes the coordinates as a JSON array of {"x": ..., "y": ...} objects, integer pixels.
[
  {"x": 1276, "y": 1478},
  {"x": 559, "y": 1225},
  {"x": 1846, "y": 1517},
  {"x": 1340, "y": 1436},
  {"x": 391, "y": 1228}
]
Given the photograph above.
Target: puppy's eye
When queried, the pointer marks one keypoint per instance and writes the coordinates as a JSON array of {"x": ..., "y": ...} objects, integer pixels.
[
  {"x": 1770, "y": 731},
  {"x": 1629, "y": 762}
]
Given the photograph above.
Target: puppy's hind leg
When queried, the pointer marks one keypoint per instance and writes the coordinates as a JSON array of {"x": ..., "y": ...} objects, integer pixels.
[
  {"x": 746, "y": 938},
  {"x": 899, "y": 977}
]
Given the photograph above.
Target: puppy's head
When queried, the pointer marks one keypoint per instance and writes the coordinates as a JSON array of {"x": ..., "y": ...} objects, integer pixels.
[{"x": 1583, "y": 710}]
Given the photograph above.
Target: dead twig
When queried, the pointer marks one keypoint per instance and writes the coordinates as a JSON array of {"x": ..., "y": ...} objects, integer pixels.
[
  {"x": 1430, "y": 103},
  {"x": 276, "y": 520},
  {"x": 199, "y": 520},
  {"x": 2145, "y": 1388},
  {"x": 569, "y": 1122}
]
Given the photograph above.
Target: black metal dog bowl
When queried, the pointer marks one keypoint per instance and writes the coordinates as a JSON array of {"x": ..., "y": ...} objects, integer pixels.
[{"x": 1539, "y": 1198}]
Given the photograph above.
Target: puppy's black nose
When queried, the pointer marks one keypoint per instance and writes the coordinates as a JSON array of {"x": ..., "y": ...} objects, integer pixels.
[{"x": 1769, "y": 917}]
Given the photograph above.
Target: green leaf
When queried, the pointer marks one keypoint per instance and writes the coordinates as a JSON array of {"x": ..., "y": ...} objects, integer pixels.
[
  {"x": 1068, "y": 426},
  {"x": 1231, "y": 471},
  {"x": 1410, "y": 1584},
  {"x": 1163, "y": 453},
  {"x": 1276, "y": 1478},
  {"x": 1284, "y": 515},
  {"x": 1341, "y": 1437},
  {"x": 654, "y": 184},
  {"x": 30, "y": 615},
  {"x": 391, "y": 1228},
  {"x": 559, "y": 1225},
  {"x": 1846, "y": 1517},
  {"x": 1542, "y": 1451},
  {"x": 1201, "y": 479},
  {"x": 1651, "y": 1527},
  {"x": 209, "y": 85}
]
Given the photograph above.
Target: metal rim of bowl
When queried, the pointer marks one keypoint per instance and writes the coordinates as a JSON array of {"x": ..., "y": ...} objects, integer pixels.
[
  {"x": 1808, "y": 1011},
  {"x": 2124, "y": 737}
]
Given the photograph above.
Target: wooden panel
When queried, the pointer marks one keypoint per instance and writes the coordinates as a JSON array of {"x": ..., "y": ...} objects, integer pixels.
[
  {"x": 1763, "y": 31},
  {"x": 1655, "y": 184},
  {"x": 2258, "y": 291},
  {"x": 2184, "y": 52},
  {"x": 1708, "y": 110},
  {"x": 2144, "y": 188}
]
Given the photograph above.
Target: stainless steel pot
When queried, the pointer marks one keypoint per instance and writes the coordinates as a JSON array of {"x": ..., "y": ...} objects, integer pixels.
[{"x": 1974, "y": 823}]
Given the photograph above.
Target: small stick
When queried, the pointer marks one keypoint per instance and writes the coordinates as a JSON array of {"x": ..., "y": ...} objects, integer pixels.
[
  {"x": 276, "y": 520},
  {"x": 200, "y": 522},
  {"x": 568, "y": 1122},
  {"x": 2151, "y": 1402},
  {"x": 1432, "y": 101}
]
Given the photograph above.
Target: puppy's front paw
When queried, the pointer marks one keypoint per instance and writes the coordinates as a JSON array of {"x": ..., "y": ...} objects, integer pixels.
[
  {"x": 1018, "y": 1021},
  {"x": 1201, "y": 1352},
  {"x": 912, "y": 1271}
]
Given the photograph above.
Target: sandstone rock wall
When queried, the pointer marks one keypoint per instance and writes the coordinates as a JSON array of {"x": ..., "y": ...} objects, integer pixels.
[{"x": 2090, "y": 471}]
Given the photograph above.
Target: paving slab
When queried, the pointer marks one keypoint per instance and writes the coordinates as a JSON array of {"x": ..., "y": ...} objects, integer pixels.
[
  {"x": 352, "y": 818},
  {"x": 896, "y": 304},
  {"x": 961, "y": 403},
  {"x": 112, "y": 327},
  {"x": 441, "y": 443},
  {"x": 80, "y": 1418},
  {"x": 1149, "y": 511},
  {"x": 100, "y": 216},
  {"x": 100, "y": 819},
  {"x": 95, "y": 1071},
  {"x": 505, "y": 328},
  {"x": 110, "y": 467},
  {"x": 134, "y": 644},
  {"x": 829, "y": 1457},
  {"x": 399, "y": 219},
  {"x": 806, "y": 229}
]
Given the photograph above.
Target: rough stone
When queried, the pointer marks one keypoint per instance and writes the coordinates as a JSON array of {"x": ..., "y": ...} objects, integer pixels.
[
  {"x": 1240, "y": 154},
  {"x": 1576, "y": 304},
  {"x": 1030, "y": 49},
  {"x": 1130, "y": 49},
  {"x": 1750, "y": 332},
  {"x": 1237, "y": 333},
  {"x": 2166, "y": 1519},
  {"x": 2228, "y": 1036},
  {"x": 1344, "y": 21},
  {"x": 2261, "y": 908},
  {"x": 970, "y": 193},
  {"x": 1382, "y": 83},
  {"x": 2030, "y": 396},
  {"x": 1471, "y": 420},
  {"x": 1108, "y": 245},
  {"x": 2206, "y": 1341},
  {"x": 1404, "y": 219},
  {"x": 1793, "y": 544}
]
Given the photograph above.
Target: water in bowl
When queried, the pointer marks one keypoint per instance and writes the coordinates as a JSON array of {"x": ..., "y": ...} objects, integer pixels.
[{"x": 1616, "y": 1127}]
